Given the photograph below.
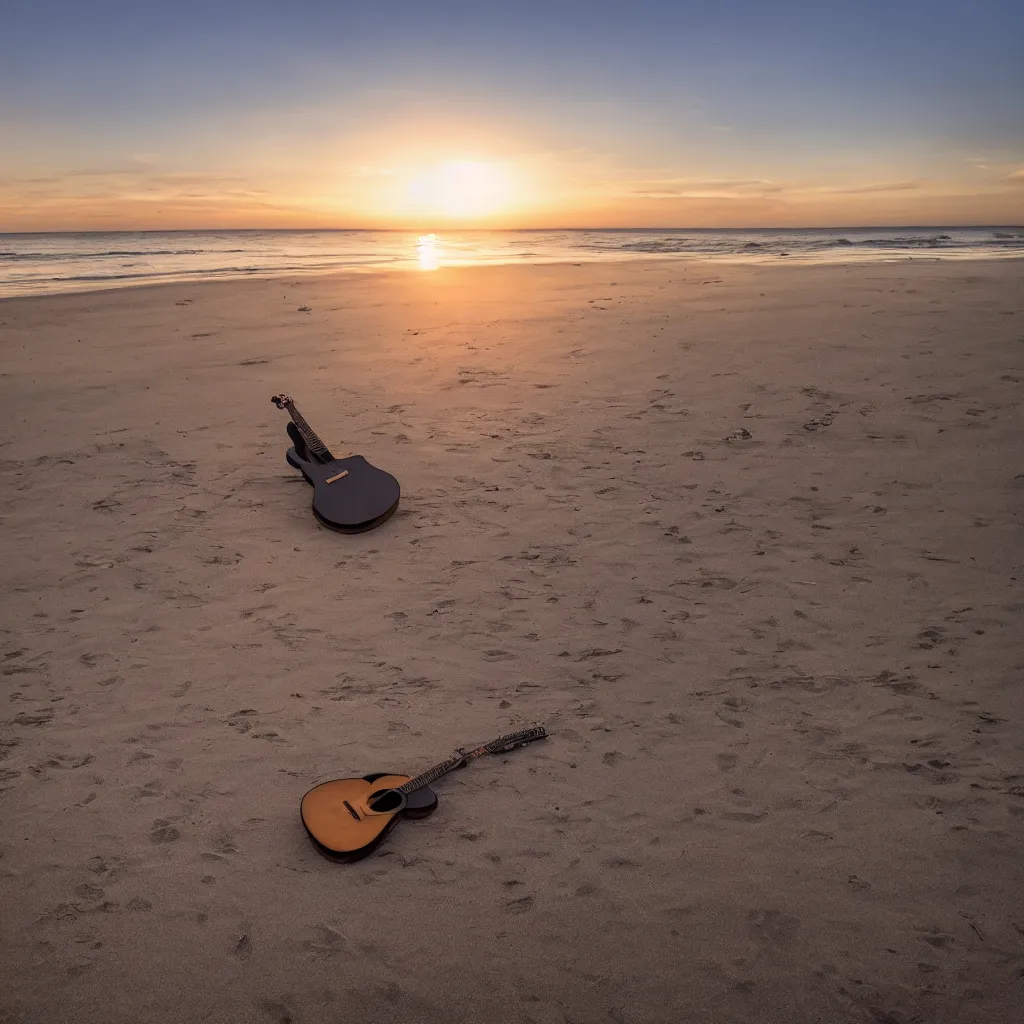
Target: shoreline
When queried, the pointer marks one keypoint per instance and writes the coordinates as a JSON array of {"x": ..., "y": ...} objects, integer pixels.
[{"x": 641, "y": 259}]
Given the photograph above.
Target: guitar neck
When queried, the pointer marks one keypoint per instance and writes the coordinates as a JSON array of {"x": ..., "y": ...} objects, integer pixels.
[
  {"x": 316, "y": 447},
  {"x": 455, "y": 761},
  {"x": 461, "y": 758}
]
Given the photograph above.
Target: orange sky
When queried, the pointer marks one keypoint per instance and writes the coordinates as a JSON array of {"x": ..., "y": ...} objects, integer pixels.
[{"x": 426, "y": 192}]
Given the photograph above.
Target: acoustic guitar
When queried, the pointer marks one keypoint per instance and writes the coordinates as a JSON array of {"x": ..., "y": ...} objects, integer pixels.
[
  {"x": 348, "y": 818},
  {"x": 349, "y": 494}
]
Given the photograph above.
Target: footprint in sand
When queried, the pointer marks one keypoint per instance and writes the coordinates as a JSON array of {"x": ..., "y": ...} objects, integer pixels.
[
  {"x": 163, "y": 832},
  {"x": 520, "y": 905},
  {"x": 328, "y": 944},
  {"x": 820, "y": 422},
  {"x": 42, "y": 717}
]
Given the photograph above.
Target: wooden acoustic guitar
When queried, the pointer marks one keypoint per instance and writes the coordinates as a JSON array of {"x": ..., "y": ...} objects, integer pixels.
[
  {"x": 348, "y": 818},
  {"x": 349, "y": 494}
]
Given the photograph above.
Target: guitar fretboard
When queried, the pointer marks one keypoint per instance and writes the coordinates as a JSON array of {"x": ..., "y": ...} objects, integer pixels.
[
  {"x": 456, "y": 761},
  {"x": 459, "y": 758},
  {"x": 316, "y": 447}
]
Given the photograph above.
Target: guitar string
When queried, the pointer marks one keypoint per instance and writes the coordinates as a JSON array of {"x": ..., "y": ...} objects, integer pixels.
[
  {"x": 300, "y": 421},
  {"x": 452, "y": 764},
  {"x": 315, "y": 447},
  {"x": 520, "y": 738},
  {"x": 508, "y": 742}
]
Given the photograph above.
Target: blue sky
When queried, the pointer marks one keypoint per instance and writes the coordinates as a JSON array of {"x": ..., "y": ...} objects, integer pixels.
[{"x": 684, "y": 114}]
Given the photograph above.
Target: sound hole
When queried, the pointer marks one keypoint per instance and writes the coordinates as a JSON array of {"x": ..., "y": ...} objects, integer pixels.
[{"x": 385, "y": 800}]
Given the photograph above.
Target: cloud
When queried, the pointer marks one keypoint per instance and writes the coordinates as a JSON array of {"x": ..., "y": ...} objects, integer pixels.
[
  {"x": 93, "y": 198},
  {"x": 115, "y": 182},
  {"x": 688, "y": 188},
  {"x": 885, "y": 186},
  {"x": 1016, "y": 176}
]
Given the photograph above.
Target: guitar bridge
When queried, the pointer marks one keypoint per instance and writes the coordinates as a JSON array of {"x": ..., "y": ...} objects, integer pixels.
[{"x": 337, "y": 476}]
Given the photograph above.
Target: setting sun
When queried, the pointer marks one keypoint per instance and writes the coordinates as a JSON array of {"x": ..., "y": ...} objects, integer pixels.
[{"x": 462, "y": 188}]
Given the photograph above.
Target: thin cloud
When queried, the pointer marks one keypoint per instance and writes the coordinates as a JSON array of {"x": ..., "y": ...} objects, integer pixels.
[
  {"x": 138, "y": 173},
  {"x": 884, "y": 186},
  {"x": 117, "y": 196},
  {"x": 683, "y": 188},
  {"x": 1016, "y": 176}
]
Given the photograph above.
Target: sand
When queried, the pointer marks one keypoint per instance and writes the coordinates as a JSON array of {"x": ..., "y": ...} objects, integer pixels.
[{"x": 746, "y": 539}]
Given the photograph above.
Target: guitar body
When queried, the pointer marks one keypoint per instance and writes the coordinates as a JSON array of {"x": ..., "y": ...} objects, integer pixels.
[
  {"x": 341, "y": 823},
  {"x": 348, "y": 818},
  {"x": 350, "y": 494}
]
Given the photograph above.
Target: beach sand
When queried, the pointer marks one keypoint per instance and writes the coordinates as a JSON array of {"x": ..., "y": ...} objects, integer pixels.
[{"x": 746, "y": 539}]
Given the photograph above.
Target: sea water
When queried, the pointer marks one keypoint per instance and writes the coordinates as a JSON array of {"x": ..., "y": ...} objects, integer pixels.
[{"x": 47, "y": 263}]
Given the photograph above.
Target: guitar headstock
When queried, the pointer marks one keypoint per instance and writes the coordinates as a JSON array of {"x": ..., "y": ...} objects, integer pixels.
[
  {"x": 516, "y": 739},
  {"x": 282, "y": 401}
]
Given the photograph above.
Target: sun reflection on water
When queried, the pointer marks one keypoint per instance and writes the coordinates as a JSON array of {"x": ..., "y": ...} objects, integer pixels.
[{"x": 429, "y": 255}]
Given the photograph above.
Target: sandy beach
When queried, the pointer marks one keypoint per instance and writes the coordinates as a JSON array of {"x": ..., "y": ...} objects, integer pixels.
[{"x": 746, "y": 539}]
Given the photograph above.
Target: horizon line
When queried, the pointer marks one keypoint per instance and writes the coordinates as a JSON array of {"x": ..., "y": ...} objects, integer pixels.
[{"x": 437, "y": 231}]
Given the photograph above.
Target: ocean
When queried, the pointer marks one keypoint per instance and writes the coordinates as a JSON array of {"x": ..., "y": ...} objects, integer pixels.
[{"x": 42, "y": 263}]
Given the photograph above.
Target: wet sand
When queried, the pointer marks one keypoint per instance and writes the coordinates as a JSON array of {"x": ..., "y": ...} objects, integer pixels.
[{"x": 745, "y": 539}]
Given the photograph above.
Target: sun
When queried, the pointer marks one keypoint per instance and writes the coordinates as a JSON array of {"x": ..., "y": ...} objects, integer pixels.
[{"x": 462, "y": 189}]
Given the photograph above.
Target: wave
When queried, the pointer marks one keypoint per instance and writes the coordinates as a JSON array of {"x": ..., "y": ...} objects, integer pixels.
[
  {"x": 649, "y": 245},
  {"x": 196, "y": 273},
  {"x": 809, "y": 242},
  {"x": 908, "y": 242},
  {"x": 113, "y": 253}
]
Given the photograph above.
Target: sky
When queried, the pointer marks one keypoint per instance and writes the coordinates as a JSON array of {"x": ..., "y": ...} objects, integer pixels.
[{"x": 539, "y": 113}]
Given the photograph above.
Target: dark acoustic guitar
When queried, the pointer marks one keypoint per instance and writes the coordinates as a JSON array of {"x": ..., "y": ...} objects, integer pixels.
[
  {"x": 349, "y": 818},
  {"x": 349, "y": 494}
]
